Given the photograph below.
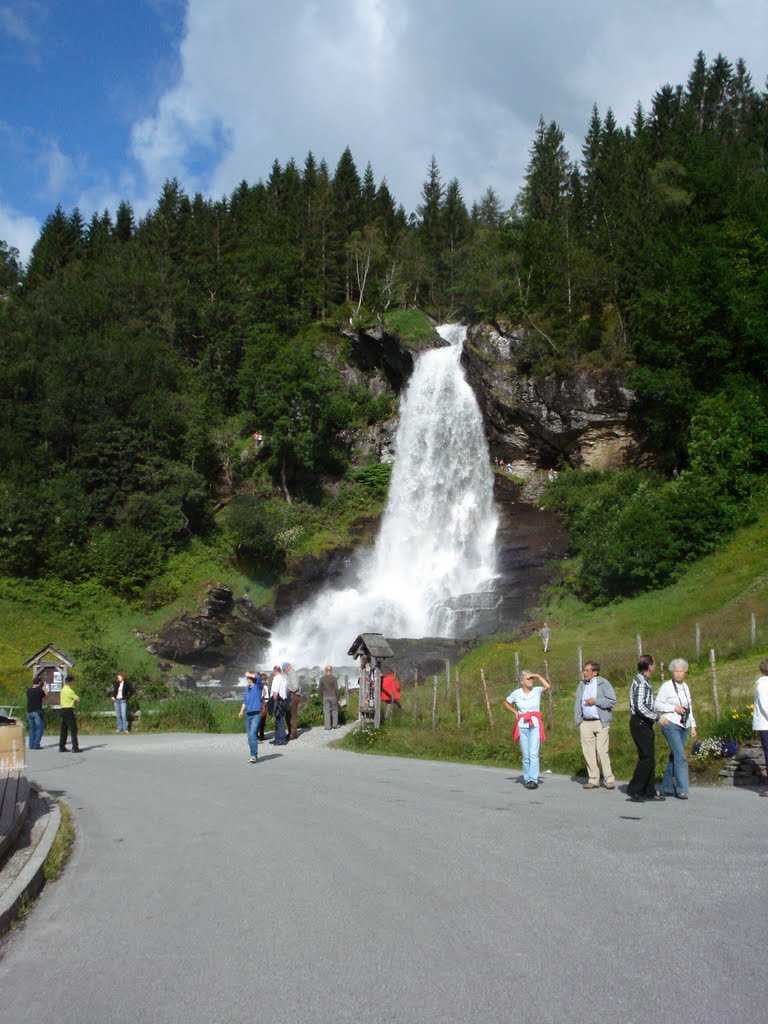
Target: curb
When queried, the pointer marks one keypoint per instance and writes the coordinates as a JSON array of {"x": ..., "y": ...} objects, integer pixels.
[{"x": 31, "y": 879}]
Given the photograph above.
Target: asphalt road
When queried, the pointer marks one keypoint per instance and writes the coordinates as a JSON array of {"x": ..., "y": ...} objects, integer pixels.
[{"x": 319, "y": 886}]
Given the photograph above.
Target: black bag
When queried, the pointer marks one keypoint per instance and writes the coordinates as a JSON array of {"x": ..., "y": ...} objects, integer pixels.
[{"x": 271, "y": 706}]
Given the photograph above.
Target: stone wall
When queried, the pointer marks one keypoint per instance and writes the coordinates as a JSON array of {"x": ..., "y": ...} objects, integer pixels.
[{"x": 747, "y": 766}]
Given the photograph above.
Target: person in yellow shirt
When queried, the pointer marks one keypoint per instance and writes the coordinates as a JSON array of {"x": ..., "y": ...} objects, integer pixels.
[{"x": 68, "y": 721}]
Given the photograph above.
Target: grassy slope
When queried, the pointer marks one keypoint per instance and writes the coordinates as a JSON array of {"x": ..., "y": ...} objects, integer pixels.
[
  {"x": 34, "y": 614},
  {"x": 719, "y": 593}
]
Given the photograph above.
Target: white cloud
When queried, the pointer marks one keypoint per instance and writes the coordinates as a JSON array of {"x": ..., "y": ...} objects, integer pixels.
[
  {"x": 18, "y": 230},
  {"x": 399, "y": 80},
  {"x": 14, "y": 25}
]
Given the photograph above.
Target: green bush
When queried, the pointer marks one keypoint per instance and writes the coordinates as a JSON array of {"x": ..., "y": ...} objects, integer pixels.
[
  {"x": 636, "y": 531},
  {"x": 186, "y": 712}
]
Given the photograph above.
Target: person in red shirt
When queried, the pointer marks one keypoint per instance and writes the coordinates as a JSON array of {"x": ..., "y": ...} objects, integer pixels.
[{"x": 390, "y": 689}]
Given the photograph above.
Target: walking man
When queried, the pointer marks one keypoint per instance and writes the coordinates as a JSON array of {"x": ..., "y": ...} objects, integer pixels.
[
  {"x": 35, "y": 696},
  {"x": 68, "y": 721},
  {"x": 121, "y": 693},
  {"x": 595, "y": 699},
  {"x": 328, "y": 686},
  {"x": 253, "y": 702},
  {"x": 643, "y": 717},
  {"x": 545, "y": 633}
]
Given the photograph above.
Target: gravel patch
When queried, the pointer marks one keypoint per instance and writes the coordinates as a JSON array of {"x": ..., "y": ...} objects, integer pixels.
[{"x": 316, "y": 738}]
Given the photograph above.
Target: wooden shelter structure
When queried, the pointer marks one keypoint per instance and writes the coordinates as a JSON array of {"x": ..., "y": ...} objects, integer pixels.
[
  {"x": 372, "y": 650},
  {"x": 53, "y": 665}
]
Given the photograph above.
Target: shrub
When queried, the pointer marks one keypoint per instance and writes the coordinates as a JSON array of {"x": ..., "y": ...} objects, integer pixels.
[
  {"x": 186, "y": 712},
  {"x": 636, "y": 532}
]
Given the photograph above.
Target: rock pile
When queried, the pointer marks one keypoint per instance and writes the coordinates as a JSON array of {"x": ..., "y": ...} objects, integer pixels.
[{"x": 747, "y": 767}]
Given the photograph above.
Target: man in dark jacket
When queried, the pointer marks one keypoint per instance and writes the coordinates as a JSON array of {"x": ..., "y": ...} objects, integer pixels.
[
  {"x": 328, "y": 688},
  {"x": 35, "y": 696}
]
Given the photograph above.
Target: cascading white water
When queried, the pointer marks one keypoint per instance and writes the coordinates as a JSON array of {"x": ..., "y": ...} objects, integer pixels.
[{"x": 437, "y": 534}]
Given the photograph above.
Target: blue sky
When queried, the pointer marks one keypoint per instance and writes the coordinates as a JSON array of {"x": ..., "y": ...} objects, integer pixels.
[{"x": 103, "y": 101}]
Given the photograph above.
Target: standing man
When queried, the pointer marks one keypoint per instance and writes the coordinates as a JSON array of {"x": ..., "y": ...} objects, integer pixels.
[
  {"x": 35, "y": 696},
  {"x": 595, "y": 699},
  {"x": 294, "y": 699},
  {"x": 253, "y": 704},
  {"x": 643, "y": 717},
  {"x": 279, "y": 692},
  {"x": 68, "y": 721},
  {"x": 121, "y": 693},
  {"x": 545, "y": 633},
  {"x": 328, "y": 686}
]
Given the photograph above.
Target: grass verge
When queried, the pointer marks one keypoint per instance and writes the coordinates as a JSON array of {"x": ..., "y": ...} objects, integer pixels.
[{"x": 63, "y": 844}]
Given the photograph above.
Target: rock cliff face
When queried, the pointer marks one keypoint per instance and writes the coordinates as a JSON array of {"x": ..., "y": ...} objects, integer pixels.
[
  {"x": 537, "y": 423},
  {"x": 218, "y": 644}
]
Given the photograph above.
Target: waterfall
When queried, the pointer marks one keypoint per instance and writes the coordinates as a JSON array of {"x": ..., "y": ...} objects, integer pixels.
[{"x": 435, "y": 550}]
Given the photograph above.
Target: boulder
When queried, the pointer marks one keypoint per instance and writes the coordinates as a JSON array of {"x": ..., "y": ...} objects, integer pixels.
[{"x": 228, "y": 635}]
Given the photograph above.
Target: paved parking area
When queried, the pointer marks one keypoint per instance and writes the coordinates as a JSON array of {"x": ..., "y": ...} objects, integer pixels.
[{"x": 322, "y": 886}]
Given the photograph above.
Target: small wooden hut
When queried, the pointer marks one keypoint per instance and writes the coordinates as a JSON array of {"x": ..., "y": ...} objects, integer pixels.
[
  {"x": 53, "y": 665},
  {"x": 371, "y": 649}
]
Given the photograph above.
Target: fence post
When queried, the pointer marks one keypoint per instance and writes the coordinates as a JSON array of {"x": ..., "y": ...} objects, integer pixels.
[
  {"x": 416, "y": 695},
  {"x": 661, "y": 676},
  {"x": 517, "y": 669},
  {"x": 713, "y": 666},
  {"x": 549, "y": 699},
  {"x": 487, "y": 700},
  {"x": 698, "y": 642},
  {"x": 458, "y": 699},
  {"x": 752, "y": 629},
  {"x": 377, "y": 698},
  {"x": 447, "y": 678},
  {"x": 434, "y": 702},
  {"x": 581, "y": 666},
  {"x": 639, "y": 646}
]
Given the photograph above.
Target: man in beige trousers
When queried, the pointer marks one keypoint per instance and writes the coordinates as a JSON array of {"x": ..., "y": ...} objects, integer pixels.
[{"x": 595, "y": 698}]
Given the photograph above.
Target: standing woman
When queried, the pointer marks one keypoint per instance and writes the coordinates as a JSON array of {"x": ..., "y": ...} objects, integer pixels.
[
  {"x": 673, "y": 702},
  {"x": 760, "y": 712},
  {"x": 264, "y": 698},
  {"x": 121, "y": 694},
  {"x": 529, "y": 728}
]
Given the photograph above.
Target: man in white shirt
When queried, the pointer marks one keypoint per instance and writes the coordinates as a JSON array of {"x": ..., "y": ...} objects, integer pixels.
[{"x": 280, "y": 693}]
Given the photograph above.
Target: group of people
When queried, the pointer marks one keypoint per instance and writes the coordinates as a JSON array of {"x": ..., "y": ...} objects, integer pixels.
[
  {"x": 37, "y": 695},
  {"x": 671, "y": 708},
  {"x": 280, "y": 695}
]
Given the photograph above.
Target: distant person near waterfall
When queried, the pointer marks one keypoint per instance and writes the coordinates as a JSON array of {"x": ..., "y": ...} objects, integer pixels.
[
  {"x": 390, "y": 689},
  {"x": 294, "y": 699},
  {"x": 546, "y": 635},
  {"x": 279, "y": 696},
  {"x": 328, "y": 688}
]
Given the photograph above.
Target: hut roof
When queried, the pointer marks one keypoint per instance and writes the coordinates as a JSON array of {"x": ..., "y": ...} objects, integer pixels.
[
  {"x": 372, "y": 644},
  {"x": 49, "y": 649}
]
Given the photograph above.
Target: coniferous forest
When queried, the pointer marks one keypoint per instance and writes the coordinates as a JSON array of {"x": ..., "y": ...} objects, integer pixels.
[{"x": 138, "y": 356}]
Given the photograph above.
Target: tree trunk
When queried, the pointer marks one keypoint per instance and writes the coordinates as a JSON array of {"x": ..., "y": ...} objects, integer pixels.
[{"x": 284, "y": 483}]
